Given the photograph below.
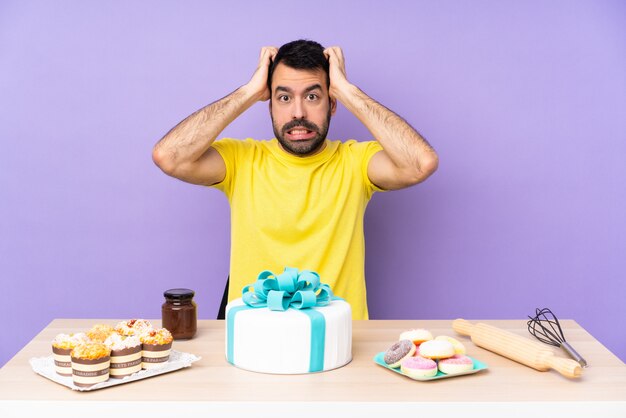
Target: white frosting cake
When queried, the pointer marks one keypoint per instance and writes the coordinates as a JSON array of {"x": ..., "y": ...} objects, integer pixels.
[{"x": 293, "y": 341}]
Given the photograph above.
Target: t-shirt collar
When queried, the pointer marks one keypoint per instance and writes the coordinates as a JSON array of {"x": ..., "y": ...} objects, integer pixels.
[{"x": 322, "y": 155}]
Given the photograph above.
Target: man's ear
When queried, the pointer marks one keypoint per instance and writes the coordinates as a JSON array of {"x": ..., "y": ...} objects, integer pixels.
[{"x": 333, "y": 106}]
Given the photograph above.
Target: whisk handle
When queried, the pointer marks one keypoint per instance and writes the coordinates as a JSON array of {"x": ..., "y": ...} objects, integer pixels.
[{"x": 573, "y": 354}]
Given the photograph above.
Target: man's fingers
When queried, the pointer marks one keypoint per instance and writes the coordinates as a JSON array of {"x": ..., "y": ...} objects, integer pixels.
[
  {"x": 334, "y": 51},
  {"x": 335, "y": 56},
  {"x": 268, "y": 53},
  {"x": 273, "y": 52}
]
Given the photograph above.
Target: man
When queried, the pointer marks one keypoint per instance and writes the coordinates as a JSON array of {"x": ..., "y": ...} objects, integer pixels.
[{"x": 298, "y": 200}]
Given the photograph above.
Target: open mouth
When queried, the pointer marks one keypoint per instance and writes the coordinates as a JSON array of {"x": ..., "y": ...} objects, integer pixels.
[{"x": 300, "y": 134}]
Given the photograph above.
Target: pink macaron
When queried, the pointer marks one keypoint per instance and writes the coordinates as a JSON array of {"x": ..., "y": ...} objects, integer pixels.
[
  {"x": 418, "y": 367},
  {"x": 456, "y": 364}
]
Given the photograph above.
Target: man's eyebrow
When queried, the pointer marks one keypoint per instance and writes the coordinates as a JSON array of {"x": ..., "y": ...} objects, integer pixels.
[
  {"x": 313, "y": 87},
  {"x": 282, "y": 88},
  {"x": 308, "y": 89}
]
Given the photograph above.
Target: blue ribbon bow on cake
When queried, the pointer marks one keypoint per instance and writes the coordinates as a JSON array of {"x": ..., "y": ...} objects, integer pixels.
[{"x": 290, "y": 289}]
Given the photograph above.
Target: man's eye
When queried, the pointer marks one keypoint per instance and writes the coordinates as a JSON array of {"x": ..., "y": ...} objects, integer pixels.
[
  {"x": 283, "y": 98},
  {"x": 311, "y": 96}
]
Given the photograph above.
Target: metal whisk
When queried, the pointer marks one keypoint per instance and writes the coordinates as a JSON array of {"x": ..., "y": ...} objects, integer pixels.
[{"x": 546, "y": 328}]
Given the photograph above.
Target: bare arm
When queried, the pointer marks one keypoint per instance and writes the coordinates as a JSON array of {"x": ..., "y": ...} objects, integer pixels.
[
  {"x": 407, "y": 158},
  {"x": 185, "y": 151}
]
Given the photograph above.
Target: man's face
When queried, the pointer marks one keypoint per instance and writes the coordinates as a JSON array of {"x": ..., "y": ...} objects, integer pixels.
[{"x": 300, "y": 109}]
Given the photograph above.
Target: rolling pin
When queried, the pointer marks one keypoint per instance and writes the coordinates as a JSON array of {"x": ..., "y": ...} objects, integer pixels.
[{"x": 516, "y": 347}]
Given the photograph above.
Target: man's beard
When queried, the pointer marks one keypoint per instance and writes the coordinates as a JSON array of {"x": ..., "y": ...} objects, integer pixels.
[{"x": 306, "y": 147}]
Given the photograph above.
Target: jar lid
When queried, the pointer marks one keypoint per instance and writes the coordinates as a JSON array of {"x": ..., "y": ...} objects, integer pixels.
[{"x": 179, "y": 294}]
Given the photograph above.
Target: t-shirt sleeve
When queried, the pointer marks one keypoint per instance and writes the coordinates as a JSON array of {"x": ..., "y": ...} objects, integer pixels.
[
  {"x": 369, "y": 148},
  {"x": 229, "y": 149}
]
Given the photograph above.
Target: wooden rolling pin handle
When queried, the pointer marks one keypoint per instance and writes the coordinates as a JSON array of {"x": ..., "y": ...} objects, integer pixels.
[
  {"x": 567, "y": 367},
  {"x": 462, "y": 326}
]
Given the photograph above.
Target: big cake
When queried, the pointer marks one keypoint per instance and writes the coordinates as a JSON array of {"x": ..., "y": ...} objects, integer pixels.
[{"x": 289, "y": 324}]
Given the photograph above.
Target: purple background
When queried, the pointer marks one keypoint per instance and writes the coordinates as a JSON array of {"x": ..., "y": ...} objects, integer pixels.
[{"x": 525, "y": 103}]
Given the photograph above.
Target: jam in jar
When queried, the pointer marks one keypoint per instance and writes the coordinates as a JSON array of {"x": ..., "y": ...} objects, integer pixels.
[{"x": 179, "y": 314}]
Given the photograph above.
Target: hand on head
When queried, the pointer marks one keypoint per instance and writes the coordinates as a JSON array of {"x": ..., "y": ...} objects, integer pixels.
[
  {"x": 337, "y": 71},
  {"x": 258, "y": 82}
]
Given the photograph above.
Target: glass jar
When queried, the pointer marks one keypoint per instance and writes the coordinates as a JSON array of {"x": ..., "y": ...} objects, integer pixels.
[{"x": 179, "y": 313}]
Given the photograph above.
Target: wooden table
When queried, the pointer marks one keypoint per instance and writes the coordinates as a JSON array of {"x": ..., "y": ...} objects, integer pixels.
[{"x": 211, "y": 385}]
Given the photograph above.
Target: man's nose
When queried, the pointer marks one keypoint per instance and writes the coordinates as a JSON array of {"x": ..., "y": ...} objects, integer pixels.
[{"x": 299, "y": 111}]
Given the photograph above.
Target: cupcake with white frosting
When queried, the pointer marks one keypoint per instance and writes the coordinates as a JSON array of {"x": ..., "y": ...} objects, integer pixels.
[
  {"x": 156, "y": 348},
  {"x": 62, "y": 346},
  {"x": 133, "y": 327},
  {"x": 100, "y": 332},
  {"x": 125, "y": 355},
  {"x": 90, "y": 363}
]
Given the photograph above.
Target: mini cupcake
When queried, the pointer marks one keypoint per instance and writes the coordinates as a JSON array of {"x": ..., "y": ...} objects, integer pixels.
[
  {"x": 133, "y": 327},
  {"x": 90, "y": 363},
  {"x": 62, "y": 346},
  {"x": 125, "y": 355},
  {"x": 157, "y": 345},
  {"x": 100, "y": 332}
]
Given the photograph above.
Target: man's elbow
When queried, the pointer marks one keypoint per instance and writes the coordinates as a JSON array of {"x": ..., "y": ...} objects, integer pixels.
[
  {"x": 163, "y": 160},
  {"x": 431, "y": 165},
  {"x": 425, "y": 169}
]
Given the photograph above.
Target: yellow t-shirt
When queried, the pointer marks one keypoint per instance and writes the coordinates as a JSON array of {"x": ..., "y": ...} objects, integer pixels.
[{"x": 302, "y": 212}]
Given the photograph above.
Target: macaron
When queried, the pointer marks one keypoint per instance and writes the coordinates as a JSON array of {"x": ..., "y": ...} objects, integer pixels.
[
  {"x": 418, "y": 335},
  {"x": 417, "y": 367},
  {"x": 455, "y": 364},
  {"x": 459, "y": 348},
  {"x": 436, "y": 349}
]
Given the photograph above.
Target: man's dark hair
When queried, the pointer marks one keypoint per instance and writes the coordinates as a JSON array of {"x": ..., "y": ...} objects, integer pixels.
[{"x": 301, "y": 55}]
